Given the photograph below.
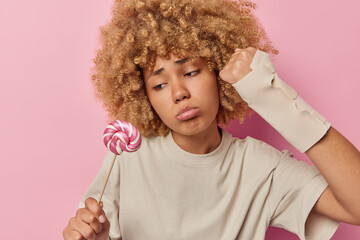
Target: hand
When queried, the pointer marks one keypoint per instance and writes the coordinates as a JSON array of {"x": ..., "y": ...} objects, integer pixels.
[
  {"x": 238, "y": 65},
  {"x": 89, "y": 223}
]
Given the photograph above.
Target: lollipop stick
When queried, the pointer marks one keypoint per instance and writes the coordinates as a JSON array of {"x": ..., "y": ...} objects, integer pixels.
[{"x": 107, "y": 178}]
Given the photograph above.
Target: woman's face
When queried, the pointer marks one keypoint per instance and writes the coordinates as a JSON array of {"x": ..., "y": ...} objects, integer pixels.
[{"x": 184, "y": 94}]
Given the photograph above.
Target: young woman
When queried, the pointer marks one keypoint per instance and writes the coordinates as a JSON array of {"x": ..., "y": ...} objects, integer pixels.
[{"x": 179, "y": 70}]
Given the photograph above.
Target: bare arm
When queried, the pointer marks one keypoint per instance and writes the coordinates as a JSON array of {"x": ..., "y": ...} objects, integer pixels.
[
  {"x": 335, "y": 157},
  {"x": 339, "y": 162}
]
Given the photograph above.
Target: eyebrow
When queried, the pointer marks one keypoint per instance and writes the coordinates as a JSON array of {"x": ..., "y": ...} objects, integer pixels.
[{"x": 177, "y": 62}]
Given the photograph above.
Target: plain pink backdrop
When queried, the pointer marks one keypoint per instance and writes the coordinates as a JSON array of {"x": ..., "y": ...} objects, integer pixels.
[{"x": 51, "y": 124}]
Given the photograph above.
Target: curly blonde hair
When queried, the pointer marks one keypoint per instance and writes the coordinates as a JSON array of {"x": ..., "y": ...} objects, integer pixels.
[{"x": 141, "y": 30}]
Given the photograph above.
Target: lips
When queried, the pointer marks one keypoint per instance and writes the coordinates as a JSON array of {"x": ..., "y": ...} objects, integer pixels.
[{"x": 188, "y": 113}]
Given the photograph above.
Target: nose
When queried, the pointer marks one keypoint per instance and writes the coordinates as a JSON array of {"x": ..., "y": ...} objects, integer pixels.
[{"x": 180, "y": 92}]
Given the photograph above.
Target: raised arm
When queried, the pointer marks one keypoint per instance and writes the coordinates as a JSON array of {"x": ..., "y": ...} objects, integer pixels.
[{"x": 252, "y": 73}]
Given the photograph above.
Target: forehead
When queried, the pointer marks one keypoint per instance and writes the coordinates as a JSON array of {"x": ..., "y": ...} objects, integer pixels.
[
  {"x": 171, "y": 62},
  {"x": 171, "y": 59}
]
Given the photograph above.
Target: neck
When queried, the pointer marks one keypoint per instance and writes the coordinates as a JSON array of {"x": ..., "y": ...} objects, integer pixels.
[{"x": 200, "y": 143}]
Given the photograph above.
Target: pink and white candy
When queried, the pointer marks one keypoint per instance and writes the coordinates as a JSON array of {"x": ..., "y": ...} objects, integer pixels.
[{"x": 121, "y": 136}]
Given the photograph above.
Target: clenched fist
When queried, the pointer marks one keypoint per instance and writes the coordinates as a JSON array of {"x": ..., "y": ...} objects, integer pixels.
[{"x": 238, "y": 65}]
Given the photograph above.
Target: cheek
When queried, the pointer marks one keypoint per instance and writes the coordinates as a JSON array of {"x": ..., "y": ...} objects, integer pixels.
[
  {"x": 158, "y": 104},
  {"x": 153, "y": 102},
  {"x": 213, "y": 91},
  {"x": 215, "y": 100},
  {"x": 208, "y": 94}
]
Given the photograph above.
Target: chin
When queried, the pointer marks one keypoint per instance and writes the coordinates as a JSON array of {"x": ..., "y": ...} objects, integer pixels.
[{"x": 195, "y": 129}]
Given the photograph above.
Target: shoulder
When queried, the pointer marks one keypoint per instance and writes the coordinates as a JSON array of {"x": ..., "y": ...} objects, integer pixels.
[
  {"x": 255, "y": 150},
  {"x": 254, "y": 157}
]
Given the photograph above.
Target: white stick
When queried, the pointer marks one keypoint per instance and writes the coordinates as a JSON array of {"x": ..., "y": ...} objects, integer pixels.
[{"x": 107, "y": 178}]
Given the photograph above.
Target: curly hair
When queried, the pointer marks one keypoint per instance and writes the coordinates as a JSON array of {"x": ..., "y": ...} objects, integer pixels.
[{"x": 141, "y": 30}]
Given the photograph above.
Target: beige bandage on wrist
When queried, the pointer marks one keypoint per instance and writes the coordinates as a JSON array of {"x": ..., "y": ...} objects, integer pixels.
[{"x": 280, "y": 105}]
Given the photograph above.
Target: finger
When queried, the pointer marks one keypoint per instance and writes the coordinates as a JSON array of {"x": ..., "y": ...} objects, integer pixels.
[
  {"x": 89, "y": 218},
  {"x": 240, "y": 55},
  {"x": 251, "y": 49},
  {"x": 106, "y": 225},
  {"x": 84, "y": 229},
  {"x": 93, "y": 205},
  {"x": 70, "y": 234},
  {"x": 243, "y": 53},
  {"x": 248, "y": 50},
  {"x": 73, "y": 236}
]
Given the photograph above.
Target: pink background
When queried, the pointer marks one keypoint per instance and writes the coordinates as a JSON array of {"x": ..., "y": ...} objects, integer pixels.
[{"x": 51, "y": 124}]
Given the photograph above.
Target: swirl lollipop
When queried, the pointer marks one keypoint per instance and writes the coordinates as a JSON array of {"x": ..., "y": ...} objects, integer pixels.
[{"x": 120, "y": 136}]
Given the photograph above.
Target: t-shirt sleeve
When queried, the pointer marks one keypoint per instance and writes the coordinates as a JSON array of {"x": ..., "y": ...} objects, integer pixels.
[
  {"x": 295, "y": 189},
  {"x": 111, "y": 195}
]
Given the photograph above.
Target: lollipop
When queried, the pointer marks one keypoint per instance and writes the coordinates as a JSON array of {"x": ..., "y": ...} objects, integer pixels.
[{"x": 120, "y": 136}]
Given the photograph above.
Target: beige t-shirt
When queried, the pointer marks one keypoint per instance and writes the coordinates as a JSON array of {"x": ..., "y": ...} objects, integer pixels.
[{"x": 234, "y": 192}]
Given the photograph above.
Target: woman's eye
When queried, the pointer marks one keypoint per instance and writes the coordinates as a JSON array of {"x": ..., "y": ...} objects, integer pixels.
[
  {"x": 193, "y": 73},
  {"x": 159, "y": 86}
]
